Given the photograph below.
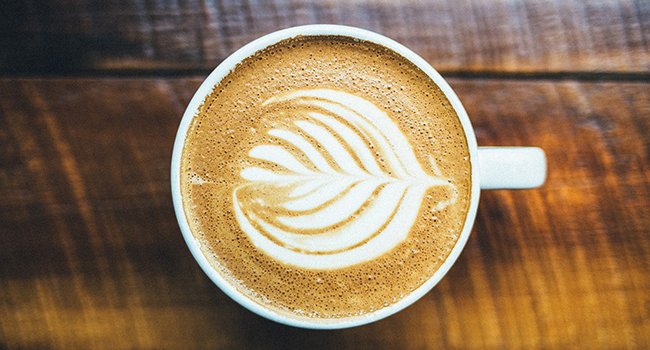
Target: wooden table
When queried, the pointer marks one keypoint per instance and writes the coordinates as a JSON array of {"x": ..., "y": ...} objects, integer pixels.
[{"x": 91, "y": 94}]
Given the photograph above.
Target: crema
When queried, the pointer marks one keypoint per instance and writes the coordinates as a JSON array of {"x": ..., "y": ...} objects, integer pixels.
[{"x": 326, "y": 177}]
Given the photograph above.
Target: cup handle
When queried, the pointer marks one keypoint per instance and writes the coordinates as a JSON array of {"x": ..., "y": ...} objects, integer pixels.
[{"x": 511, "y": 167}]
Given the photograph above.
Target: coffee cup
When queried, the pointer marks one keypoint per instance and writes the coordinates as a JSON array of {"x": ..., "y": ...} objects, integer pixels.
[{"x": 326, "y": 176}]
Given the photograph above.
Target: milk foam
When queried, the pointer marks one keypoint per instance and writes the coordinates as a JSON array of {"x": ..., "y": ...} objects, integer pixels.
[{"x": 347, "y": 186}]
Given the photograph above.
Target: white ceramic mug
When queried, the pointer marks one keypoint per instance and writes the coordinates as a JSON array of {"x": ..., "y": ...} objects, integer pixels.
[{"x": 492, "y": 168}]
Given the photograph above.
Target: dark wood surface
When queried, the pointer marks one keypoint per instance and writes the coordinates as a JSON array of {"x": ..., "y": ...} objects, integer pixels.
[
  {"x": 463, "y": 35},
  {"x": 91, "y": 95}
]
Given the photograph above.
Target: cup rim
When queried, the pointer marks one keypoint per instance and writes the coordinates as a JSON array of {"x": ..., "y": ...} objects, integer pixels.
[{"x": 226, "y": 67}]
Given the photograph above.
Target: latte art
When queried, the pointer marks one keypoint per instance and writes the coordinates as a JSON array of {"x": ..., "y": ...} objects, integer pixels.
[{"x": 355, "y": 198}]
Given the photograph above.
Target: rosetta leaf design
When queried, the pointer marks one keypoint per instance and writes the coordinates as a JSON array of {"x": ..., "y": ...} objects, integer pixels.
[{"x": 345, "y": 184}]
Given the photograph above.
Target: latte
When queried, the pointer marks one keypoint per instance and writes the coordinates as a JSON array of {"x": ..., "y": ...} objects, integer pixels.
[{"x": 326, "y": 177}]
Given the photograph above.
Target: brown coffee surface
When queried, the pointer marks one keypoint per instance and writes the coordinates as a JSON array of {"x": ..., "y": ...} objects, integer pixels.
[{"x": 253, "y": 109}]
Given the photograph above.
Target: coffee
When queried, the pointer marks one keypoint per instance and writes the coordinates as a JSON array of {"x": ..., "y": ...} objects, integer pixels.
[{"x": 326, "y": 177}]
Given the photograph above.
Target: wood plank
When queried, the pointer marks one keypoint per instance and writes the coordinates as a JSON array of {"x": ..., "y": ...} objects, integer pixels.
[
  {"x": 92, "y": 257},
  {"x": 460, "y": 36}
]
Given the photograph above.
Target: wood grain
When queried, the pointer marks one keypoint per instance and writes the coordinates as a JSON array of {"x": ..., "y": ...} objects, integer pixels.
[
  {"x": 528, "y": 36},
  {"x": 92, "y": 257}
]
